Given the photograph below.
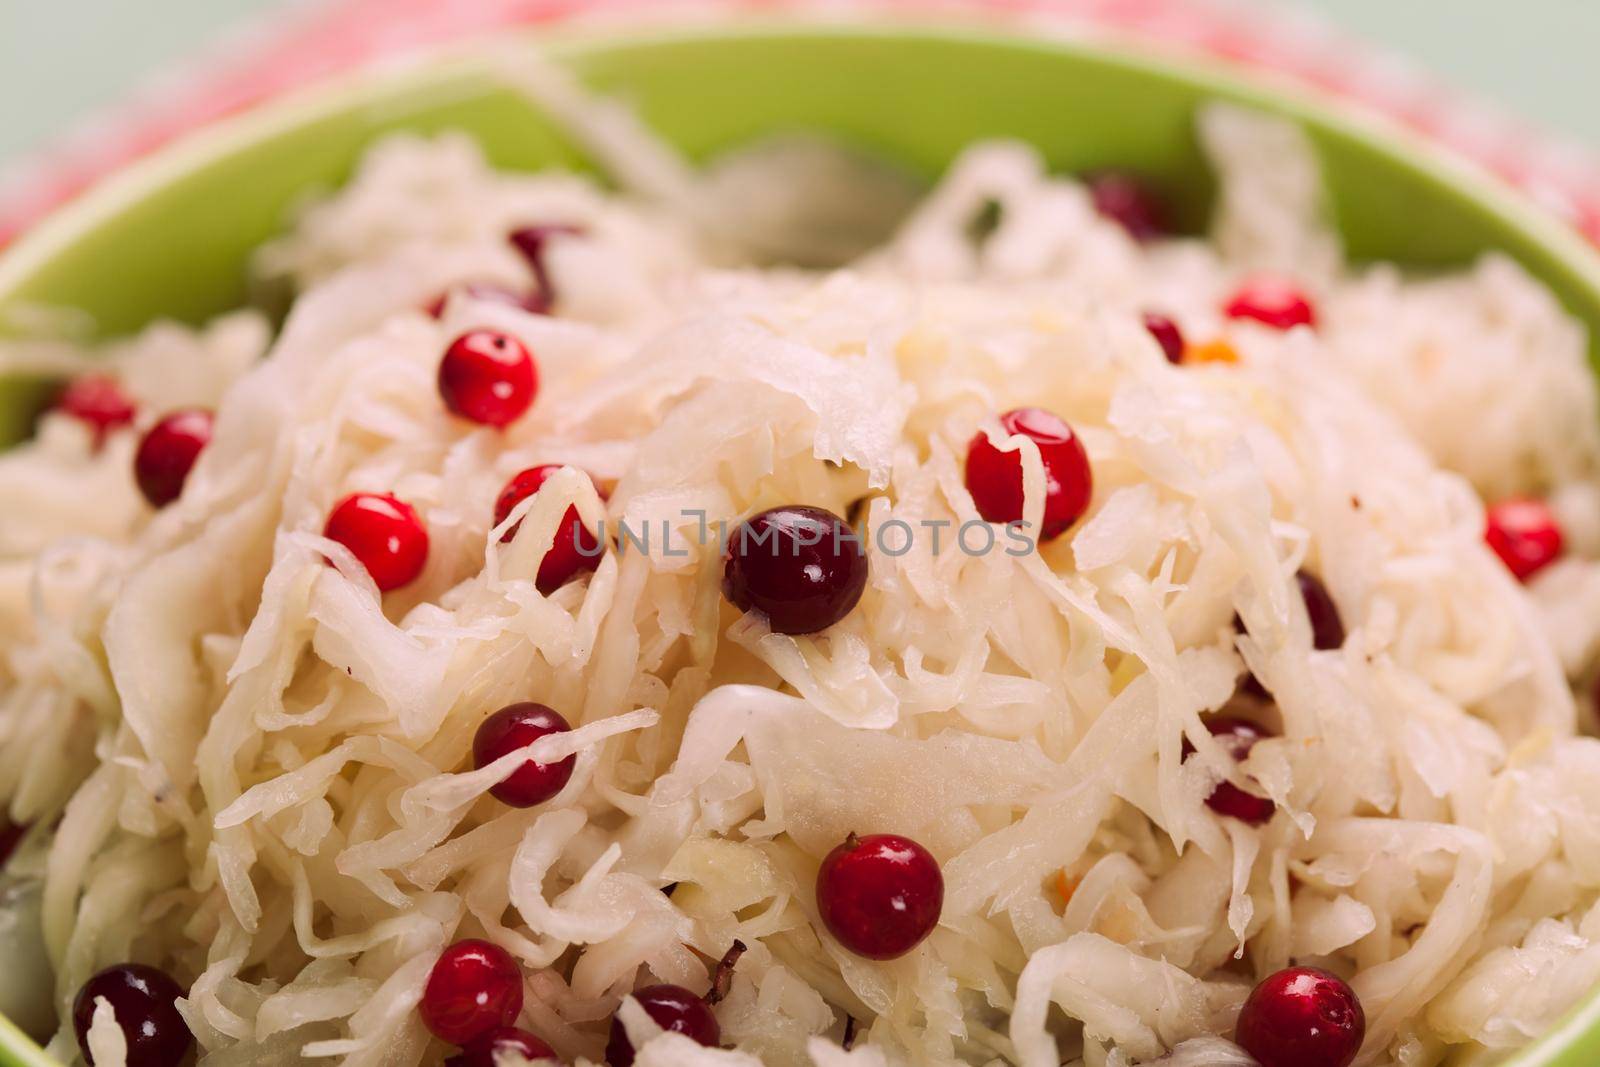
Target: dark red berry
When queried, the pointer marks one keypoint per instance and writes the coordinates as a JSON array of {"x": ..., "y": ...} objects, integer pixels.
[
  {"x": 802, "y": 567},
  {"x": 1524, "y": 534},
  {"x": 532, "y": 242},
  {"x": 994, "y": 478},
  {"x": 880, "y": 895},
  {"x": 1272, "y": 301},
  {"x": 1130, "y": 203},
  {"x": 518, "y": 726},
  {"x": 492, "y": 294},
  {"x": 1252, "y": 686},
  {"x": 575, "y": 548},
  {"x": 674, "y": 1009},
  {"x": 167, "y": 454},
  {"x": 474, "y": 987},
  {"x": 99, "y": 403},
  {"x": 482, "y": 1050},
  {"x": 489, "y": 377},
  {"x": 1327, "y": 629},
  {"x": 11, "y": 835},
  {"x": 1237, "y": 737},
  {"x": 1301, "y": 1017},
  {"x": 142, "y": 999},
  {"x": 384, "y": 534},
  {"x": 1167, "y": 335}
]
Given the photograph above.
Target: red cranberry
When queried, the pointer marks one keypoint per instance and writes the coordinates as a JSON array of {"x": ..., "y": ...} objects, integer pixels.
[
  {"x": 1252, "y": 686},
  {"x": 575, "y": 548},
  {"x": 384, "y": 534},
  {"x": 1524, "y": 534},
  {"x": 11, "y": 835},
  {"x": 167, "y": 454},
  {"x": 531, "y": 241},
  {"x": 994, "y": 478},
  {"x": 1130, "y": 203},
  {"x": 489, "y": 377},
  {"x": 802, "y": 567},
  {"x": 1273, "y": 301},
  {"x": 674, "y": 1009},
  {"x": 880, "y": 895},
  {"x": 99, "y": 403},
  {"x": 475, "y": 987},
  {"x": 1301, "y": 1017},
  {"x": 482, "y": 1050},
  {"x": 143, "y": 1000},
  {"x": 518, "y": 726},
  {"x": 493, "y": 294},
  {"x": 1167, "y": 335},
  {"x": 1327, "y": 629},
  {"x": 1237, "y": 737}
]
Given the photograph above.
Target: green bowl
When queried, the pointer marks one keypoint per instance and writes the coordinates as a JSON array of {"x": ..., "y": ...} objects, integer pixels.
[{"x": 171, "y": 236}]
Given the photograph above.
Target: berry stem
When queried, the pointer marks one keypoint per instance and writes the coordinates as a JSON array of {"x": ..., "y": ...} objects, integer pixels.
[{"x": 722, "y": 979}]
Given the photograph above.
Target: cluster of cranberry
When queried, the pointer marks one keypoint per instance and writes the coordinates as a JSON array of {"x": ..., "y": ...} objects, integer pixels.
[
  {"x": 1272, "y": 301},
  {"x": 879, "y": 896},
  {"x": 1523, "y": 531},
  {"x": 485, "y": 376},
  {"x": 800, "y": 567},
  {"x": 1299, "y": 1016}
]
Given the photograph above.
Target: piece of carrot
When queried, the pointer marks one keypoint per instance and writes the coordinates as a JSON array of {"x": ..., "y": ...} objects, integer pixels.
[
  {"x": 1066, "y": 886},
  {"x": 1217, "y": 351}
]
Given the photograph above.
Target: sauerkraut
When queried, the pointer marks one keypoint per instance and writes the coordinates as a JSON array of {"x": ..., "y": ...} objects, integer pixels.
[{"x": 244, "y": 765}]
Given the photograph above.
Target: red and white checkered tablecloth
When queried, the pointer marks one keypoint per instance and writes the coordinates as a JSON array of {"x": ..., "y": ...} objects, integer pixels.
[{"x": 319, "y": 38}]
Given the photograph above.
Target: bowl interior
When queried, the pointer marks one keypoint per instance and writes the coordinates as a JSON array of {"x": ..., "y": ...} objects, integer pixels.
[{"x": 172, "y": 236}]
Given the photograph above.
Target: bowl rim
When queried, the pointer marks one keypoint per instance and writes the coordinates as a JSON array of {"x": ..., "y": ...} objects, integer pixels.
[{"x": 440, "y": 67}]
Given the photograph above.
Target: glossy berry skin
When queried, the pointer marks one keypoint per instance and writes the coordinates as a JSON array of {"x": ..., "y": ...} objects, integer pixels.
[
  {"x": 1237, "y": 737},
  {"x": 517, "y": 726},
  {"x": 994, "y": 478},
  {"x": 1272, "y": 302},
  {"x": 673, "y": 1008},
  {"x": 1167, "y": 335},
  {"x": 1524, "y": 533},
  {"x": 1302, "y": 1017},
  {"x": 574, "y": 550},
  {"x": 142, "y": 998},
  {"x": 1128, "y": 202},
  {"x": 802, "y": 567},
  {"x": 385, "y": 535},
  {"x": 474, "y": 987},
  {"x": 481, "y": 1050},
  {"x": 880, "y": 895},
  {"x": 492, "y": 294},
  {"x": 99, "y": 403},
  {"x": 488, "y": 377},
  {"x": 167, "y": 453}
]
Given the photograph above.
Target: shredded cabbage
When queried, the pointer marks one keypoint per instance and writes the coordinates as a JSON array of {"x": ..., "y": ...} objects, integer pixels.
[{"x": 258, "y": 774}]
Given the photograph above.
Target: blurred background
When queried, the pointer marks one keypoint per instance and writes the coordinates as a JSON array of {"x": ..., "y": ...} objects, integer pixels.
[{"x": 62, "y": 59}]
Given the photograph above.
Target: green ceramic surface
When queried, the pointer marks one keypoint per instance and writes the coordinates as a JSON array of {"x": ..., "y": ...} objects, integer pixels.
[{"x": 171, "y": 236}]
